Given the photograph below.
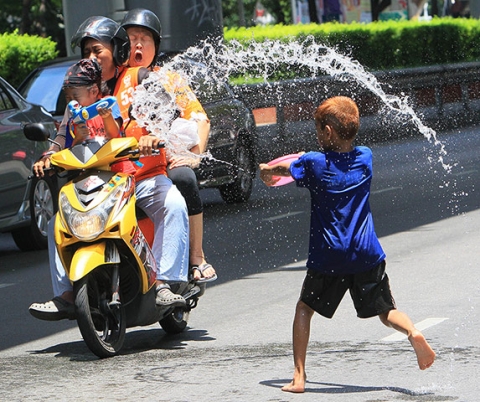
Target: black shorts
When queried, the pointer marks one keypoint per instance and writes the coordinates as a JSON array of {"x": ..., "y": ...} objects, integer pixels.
[{"x": 370, "y": 292}]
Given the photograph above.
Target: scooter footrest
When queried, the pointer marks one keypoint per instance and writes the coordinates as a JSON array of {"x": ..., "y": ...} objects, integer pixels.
[{"x": 192, "y": 292}]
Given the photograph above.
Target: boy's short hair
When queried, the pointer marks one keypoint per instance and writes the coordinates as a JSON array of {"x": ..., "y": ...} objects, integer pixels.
[{"x": 341, "y": 113}]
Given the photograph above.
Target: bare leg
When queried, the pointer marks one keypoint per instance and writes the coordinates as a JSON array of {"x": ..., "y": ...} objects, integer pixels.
[
  {"x": 301, "y": 335},
  {"x": 196, "y": 239},
  {"x": 401, "y": 322},
  {"x": 197, "y": 257}
]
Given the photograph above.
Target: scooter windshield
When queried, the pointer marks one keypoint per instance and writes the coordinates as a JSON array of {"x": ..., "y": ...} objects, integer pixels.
[{"x": 84, "y": 151}]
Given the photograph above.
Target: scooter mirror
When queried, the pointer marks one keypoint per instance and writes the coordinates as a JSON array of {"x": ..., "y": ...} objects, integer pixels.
[{"x": 36, "y": 132}]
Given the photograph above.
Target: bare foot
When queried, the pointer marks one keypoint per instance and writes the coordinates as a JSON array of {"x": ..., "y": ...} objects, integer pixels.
[
  {"x": 425, "y": 354},
  {"x": 297, "y": 385}
]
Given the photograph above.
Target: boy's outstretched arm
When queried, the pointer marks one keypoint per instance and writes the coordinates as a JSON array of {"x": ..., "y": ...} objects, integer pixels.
[{"x": 270, "y": 174}]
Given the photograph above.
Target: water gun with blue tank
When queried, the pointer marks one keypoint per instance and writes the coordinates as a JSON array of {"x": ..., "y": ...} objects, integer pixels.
[{"x": 82, "y": 114}]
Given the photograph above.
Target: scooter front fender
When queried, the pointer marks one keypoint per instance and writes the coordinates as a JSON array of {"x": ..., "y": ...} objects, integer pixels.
[{"x": 91, "y": 256}]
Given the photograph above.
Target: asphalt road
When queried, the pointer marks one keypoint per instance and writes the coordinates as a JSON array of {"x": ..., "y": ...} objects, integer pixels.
[{"x": 238, "y": 345}]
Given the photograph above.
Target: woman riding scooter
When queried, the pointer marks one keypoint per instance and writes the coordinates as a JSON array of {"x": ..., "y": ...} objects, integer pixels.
[{"x": 103, "y": 39}]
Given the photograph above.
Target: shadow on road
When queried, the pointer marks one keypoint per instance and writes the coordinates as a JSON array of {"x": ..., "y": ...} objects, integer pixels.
[
  {"x": 136, "y": 341},
  {"x": 329, "y": 388}
]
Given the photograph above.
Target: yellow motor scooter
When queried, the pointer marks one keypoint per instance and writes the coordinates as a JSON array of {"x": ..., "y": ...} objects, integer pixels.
[{"x": 104, "y": 246}]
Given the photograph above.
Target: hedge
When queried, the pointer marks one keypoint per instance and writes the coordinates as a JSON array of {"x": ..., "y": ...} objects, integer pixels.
[
  {"x": 22, "y": 53},
  {"x": 381, "y": 45}
]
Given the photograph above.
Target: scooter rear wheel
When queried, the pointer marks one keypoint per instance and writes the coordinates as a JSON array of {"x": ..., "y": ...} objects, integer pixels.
[
  {"x": 176, "y": 321},
  {"x": 102, "y": 327}
]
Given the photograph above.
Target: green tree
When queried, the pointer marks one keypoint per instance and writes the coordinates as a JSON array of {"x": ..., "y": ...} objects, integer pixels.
[
  {"x": 280, "y": 9},
  {"x": 34, "y": 17}
]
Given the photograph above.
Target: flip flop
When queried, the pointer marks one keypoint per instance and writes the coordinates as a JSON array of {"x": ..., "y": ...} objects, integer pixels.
[
  {"x": 201, "y": 268},
  {"x": 53, "y": 310},
  {"x": 282, "y": 180}
]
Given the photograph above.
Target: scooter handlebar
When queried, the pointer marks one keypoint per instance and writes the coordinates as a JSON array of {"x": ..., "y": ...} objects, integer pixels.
[{"x": 136, "y": 151}]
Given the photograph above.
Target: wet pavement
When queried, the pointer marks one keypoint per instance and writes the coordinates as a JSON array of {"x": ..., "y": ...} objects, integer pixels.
[{"x": 238, "y": 344}]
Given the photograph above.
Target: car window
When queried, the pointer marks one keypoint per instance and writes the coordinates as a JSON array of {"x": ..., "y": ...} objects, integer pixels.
[
  {"x": 5, "y": 101},
  {"x": 45, "y": 88}
]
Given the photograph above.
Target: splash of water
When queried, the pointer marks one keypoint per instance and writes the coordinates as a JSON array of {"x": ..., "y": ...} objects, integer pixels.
[{"x": 216, "y": 62}]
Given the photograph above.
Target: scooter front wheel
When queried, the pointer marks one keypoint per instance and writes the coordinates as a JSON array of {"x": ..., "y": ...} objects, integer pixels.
[{"x": 102, "y": 326}]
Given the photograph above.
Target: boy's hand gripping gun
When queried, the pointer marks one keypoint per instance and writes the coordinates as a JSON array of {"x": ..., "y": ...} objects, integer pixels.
[{"x": 82, "y": 114}]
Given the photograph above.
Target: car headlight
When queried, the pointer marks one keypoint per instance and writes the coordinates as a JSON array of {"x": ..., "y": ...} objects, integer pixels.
[{"x": 89, "y": 224}]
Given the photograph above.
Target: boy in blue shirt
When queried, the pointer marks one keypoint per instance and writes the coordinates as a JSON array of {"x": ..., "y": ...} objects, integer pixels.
[{"x": 344, "y": 251}]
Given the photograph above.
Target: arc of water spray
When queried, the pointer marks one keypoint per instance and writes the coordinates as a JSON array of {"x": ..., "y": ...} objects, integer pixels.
[{"x": 216, "y": 62}]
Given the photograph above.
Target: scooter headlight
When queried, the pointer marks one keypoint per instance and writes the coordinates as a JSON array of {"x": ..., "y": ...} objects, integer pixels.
[{"x": 89, "y": 224}]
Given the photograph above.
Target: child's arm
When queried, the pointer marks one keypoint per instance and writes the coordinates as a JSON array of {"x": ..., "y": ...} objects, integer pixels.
[
  {"x": 268, "y": 172},
  {"x": 112, "y": 126}
]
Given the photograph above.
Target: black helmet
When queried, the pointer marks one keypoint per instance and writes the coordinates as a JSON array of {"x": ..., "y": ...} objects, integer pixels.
[
  {"x": 105, "y": 30},
  {"x": 144, "y": 18}
]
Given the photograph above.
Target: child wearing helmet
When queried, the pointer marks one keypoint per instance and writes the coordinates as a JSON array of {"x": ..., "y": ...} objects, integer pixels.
[{"x": 144, "y": 30}]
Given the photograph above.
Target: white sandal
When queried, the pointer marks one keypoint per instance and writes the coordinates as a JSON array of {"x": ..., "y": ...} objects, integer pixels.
[{"x": 202, "y": 268}]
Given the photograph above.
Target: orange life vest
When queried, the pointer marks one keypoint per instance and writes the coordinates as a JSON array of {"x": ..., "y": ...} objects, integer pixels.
[{"x": 126, "y": 83}]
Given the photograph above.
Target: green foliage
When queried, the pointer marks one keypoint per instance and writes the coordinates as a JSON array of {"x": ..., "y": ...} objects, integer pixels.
[
  {"x": 231, "y": 12},
  {"x": 22, "y": 53},
  {"x": 10, "y": 15},
  {"x": 34, "y": 17},
  {"x": 382, "y": 45},
  {"x": 280, "y": 9}
]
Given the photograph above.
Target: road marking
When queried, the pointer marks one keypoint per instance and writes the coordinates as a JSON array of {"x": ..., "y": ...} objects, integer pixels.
[
  {"x": 384, "y": 190},
  {"x": 465, "y": 172},
  {"x": 298, "y": 264},
  {"x": 287, "y": 215},
  {"x": 4, "y": 285},
  {"x": 422, "y": 325}
]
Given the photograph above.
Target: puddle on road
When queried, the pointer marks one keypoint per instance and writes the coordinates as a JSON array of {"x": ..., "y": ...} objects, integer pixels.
[{"x": 175, "y": 366}]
